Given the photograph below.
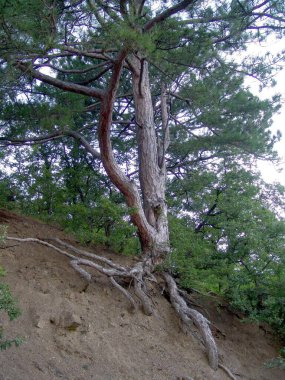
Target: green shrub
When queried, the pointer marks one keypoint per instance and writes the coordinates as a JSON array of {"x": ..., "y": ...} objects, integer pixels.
[
  {"x": 8, "y": 303},
  {"x": 106, "y": 222},
  {"x": 278, "y": 362}
]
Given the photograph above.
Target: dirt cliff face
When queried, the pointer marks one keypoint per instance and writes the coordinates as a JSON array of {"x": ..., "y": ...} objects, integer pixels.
[{"x": 74, "y": 332}]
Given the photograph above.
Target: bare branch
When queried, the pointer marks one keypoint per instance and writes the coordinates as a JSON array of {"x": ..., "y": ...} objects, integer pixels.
[
  {"x": 113, "y": 15},
  {"x": 85, "y": 143},
  {"x": 140, "y": 7},
  {"x": 261, "y": 4},
  {"x": 95, "y": 10},
  {"x": 268, "y": 15}
]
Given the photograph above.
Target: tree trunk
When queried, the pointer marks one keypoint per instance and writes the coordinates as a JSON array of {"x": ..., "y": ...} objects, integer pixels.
[{"x": 152, "y": 174}]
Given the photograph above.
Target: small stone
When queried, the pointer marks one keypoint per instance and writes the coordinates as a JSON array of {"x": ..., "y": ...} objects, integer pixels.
[
  {"x": 40, "y": 323},
  {"x": 39, "y": 320},
  {"x": 67, "y": 320}
]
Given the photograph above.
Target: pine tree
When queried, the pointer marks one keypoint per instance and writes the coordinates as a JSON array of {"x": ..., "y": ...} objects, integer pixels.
[{"x": 161, "y": 84}]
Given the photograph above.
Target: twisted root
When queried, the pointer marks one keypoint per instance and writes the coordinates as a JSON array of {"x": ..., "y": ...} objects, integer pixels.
[{"x": 137, "y": 275}]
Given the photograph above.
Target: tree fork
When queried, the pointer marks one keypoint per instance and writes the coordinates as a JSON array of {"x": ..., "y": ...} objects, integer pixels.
[{"x": 151, "y": 174}]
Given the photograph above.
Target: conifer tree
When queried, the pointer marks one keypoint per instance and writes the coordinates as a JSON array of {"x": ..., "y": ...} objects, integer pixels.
[{"x": 152, "y": 86}]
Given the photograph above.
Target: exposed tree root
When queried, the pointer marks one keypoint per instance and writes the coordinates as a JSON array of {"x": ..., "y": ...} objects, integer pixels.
[
  {"x": 187, "y": 315},
  {"x": 88, "y": 254},
  {"x": 137, "y": 275},
  {"x": 106, "y": 267},
  {"x": 125, "y": 292},
  {"x": 228, "y": 371}
]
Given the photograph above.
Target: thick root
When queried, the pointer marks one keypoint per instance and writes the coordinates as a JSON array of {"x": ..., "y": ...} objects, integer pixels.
[
  {"x": 228, "y": 371},
  {"x": 106, "y": 267},
  {"x": 189, "y": 315},
  {"x": 137, "y": 275}
]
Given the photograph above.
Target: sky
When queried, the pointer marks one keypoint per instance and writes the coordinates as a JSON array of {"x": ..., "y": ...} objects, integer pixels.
[{"x": 269, "y": 171}]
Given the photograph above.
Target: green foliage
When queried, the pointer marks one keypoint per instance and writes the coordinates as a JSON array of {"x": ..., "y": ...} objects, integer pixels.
[
  {"x": 71, "y": 191},
  {"x": 9, "y": 305},
  {"x": 125, "y": 35},
  {"x": 36, "y": 19},
  {"x": 104, "y": 223},
  {"x": 194, "y": 260},
  {"x": 226, "y": 230},
  {"x": 3, "y": 232},
  {"x": 9, "y": 342},
  {"x": 278, "y": 362},
  {"x": 228, "y": 241},
  {"x": 2, "y": 271}
]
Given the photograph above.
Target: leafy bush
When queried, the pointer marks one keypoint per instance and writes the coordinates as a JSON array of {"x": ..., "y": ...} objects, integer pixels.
[
  {"x": 278, "y": 362},
  {"x": 243, "y": 262},
  {"x": 8, "y": 303},
  {"x": 105, "y": 222}
]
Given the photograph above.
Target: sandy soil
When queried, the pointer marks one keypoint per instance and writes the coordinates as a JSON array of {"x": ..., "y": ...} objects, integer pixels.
[{"x": 74, "y": 333}]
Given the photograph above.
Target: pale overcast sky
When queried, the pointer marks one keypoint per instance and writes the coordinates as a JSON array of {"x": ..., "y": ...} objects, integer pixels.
[{"x": 268, "y": 170}]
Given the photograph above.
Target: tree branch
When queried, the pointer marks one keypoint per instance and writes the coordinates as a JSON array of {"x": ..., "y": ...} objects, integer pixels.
[
  {"x": 165, "y": 126},
  {"x": 72, "y": 71},
  {"x": 96, "y": 53},
  {"x": 166, "y": 14},
  {"x": 5, "y": 141},
  {"x": 63, "y": 85},
  {"x": 123, "y": 8},
  {"x": 108, "y": 10},
  {"x": 118, "y": 178},
  {"x": 95, "y": 153}
]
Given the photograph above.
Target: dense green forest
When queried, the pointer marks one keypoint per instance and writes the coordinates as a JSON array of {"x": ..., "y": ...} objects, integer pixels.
[{"x": 130, "y": 124}]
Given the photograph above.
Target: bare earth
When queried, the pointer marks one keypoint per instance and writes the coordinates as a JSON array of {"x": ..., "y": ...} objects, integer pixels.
[{"x": 73, "y": 333}]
